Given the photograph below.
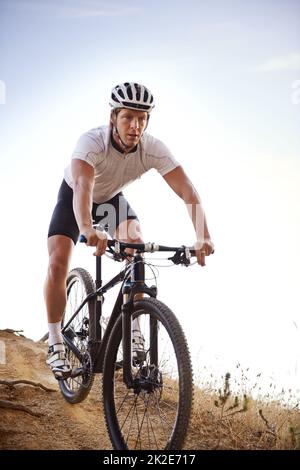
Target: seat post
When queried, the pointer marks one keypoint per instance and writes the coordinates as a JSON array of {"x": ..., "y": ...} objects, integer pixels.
[
  {"x": 98, "y": 272},
  {"x": 98, "y": 303}
]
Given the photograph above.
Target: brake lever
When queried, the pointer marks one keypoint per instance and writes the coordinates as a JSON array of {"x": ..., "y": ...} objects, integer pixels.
[
  {"x": 118, "y": 254},
  {"x": 181, "y": 257},
  {"x": 115, "y": 255}
]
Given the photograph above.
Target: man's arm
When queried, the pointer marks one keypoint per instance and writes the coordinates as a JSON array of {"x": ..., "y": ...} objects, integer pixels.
[
  {"x": 83, "y": 183},
  {"x": 183, "y": 187}
]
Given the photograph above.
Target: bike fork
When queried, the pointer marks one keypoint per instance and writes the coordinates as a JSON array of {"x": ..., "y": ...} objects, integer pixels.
[
  {"x": 127, "y": 356},
  {"x": 136, "y": 285},
  {"x": 153, "y": 342}
]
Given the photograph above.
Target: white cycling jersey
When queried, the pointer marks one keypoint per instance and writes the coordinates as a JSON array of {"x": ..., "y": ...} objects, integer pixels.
[{"x": 114, "y": 170}]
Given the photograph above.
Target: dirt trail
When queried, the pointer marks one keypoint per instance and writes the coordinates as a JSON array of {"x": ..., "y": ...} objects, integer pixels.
[
  {"x": 57, "y": 424},
  {"x": 53, "y": 423}
]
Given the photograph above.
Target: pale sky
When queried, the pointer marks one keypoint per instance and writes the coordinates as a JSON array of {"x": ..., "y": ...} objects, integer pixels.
[{"x": 226, "y": 79}]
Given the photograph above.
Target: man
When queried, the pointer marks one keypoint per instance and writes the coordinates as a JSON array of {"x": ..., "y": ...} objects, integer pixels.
[{"x": 105, "y": 160}]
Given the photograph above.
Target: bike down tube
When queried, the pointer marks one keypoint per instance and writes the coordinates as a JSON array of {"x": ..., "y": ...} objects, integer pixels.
[
  {"x": 90, "y": 297},
  {"x": 97, "y": 346}
]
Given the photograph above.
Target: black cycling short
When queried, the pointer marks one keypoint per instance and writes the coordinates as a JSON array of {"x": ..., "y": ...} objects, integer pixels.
[{"x": 109, "y": 214}]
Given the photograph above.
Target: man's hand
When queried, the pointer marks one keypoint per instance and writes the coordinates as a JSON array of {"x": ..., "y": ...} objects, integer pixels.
[
  {"x": 203, "y": 249},
  {"x": 96, "y": 238}
]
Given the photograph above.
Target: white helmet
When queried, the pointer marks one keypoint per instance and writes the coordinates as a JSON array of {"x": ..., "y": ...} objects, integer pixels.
[{"x": 132, "y": 96}]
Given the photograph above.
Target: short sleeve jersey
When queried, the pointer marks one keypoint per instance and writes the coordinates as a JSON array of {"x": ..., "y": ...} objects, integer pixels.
[{"x": 114, "y": 170}]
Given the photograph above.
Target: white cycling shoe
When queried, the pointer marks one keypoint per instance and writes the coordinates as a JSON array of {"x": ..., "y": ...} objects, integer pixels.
[{"x": 58, "y": 361}]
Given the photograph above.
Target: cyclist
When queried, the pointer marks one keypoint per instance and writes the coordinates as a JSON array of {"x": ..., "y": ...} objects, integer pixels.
[{"x": 105, "y": 160}]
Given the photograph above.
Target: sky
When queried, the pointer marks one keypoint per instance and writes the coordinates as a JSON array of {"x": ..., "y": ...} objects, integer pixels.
[{"x": 226, "y": 80}]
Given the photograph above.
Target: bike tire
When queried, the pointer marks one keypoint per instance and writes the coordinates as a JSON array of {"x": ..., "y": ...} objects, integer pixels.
[
  {"x": 79, "y": 285},
  {"x": 134, "y": 418}
]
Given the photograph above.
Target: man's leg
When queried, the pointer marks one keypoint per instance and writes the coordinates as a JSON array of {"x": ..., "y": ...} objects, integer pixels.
[{"x": 60, "y": 249}]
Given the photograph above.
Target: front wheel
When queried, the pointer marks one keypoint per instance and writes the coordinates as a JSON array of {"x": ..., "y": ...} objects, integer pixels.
[{"x": 155, "y": 412}]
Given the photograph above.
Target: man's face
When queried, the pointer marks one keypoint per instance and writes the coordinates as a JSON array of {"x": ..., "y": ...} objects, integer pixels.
[{"x": 131, "y": 125}]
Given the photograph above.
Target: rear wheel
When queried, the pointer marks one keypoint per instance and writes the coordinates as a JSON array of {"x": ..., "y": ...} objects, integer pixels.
[
  {"x": 79, "y": 285},
  {"x": 155, "y": 412}
]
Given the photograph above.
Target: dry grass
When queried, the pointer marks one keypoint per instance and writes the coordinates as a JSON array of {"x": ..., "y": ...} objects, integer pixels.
[{"x": 225, "y": 420}]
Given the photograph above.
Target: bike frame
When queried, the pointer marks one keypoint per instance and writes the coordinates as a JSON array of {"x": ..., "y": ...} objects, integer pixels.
[{"x": 123, "y": 306}]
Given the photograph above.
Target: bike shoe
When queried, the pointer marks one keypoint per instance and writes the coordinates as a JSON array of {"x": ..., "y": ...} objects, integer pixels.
[{"x": 58, "y": 362}]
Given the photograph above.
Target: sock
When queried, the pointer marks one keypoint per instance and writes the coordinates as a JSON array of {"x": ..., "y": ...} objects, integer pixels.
[{"x": 55, "y": 335}]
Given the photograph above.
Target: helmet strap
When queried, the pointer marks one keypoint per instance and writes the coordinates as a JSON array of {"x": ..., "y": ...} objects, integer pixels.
[
  {"x": 116, "y": 132},
  {"x": 126, "y": 147},
  {"x": 148, "y": 117}
]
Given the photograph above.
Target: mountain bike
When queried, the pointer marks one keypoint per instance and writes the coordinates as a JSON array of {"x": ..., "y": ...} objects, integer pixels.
[{"x": 147, "y": 390}]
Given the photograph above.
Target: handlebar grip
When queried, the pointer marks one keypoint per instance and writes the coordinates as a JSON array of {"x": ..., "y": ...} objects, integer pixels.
[
  {"x": 193, "y": 252},
  {"x": 82, "y": 239}
]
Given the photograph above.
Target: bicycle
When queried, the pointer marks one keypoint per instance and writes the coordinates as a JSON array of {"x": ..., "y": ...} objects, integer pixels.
[{"x": 147, "y": 394}]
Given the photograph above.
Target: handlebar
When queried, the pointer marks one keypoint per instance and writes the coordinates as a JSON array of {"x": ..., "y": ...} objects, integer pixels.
[
  {"x": 143, "y": 247},
  {"x": 182, "y": 253}
]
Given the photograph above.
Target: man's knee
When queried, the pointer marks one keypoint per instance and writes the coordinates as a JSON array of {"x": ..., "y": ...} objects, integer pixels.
[
  {"x": 58, "y": 267},
  {"x": 60, "y": 250}
]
